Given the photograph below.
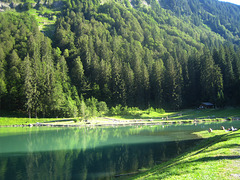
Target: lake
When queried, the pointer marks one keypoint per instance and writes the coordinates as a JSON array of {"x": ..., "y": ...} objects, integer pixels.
[{"x": 92, "y": 153}]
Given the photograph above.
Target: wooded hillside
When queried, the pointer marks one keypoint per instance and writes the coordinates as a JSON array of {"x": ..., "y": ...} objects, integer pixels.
[{"x": 171, "y": 55}]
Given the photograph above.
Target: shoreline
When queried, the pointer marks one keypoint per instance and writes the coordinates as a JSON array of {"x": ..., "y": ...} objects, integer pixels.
[{"x": 115, "y": 123}]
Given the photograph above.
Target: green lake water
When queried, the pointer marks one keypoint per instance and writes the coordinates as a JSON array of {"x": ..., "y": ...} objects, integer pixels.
[{"x": 92, "y": 153}]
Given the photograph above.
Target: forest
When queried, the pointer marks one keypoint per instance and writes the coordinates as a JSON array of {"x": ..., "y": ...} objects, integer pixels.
[{"x": 101, "y": 54}]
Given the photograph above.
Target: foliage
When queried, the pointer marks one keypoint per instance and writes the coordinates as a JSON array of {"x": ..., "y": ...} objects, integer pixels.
[{"x": 119, "y": 55}]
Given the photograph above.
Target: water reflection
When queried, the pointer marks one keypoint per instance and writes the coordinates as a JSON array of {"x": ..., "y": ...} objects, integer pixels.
[
  {"x": 40, "y": 139},
  {"x": 99, "y": 163},
  {"x": 90, "y": 153}
]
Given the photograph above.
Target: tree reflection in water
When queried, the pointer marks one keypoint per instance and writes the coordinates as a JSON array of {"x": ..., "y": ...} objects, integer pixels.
[{"x": 84, "y": 153}]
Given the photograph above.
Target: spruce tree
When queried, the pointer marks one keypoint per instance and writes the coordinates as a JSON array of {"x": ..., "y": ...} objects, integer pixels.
[
  {"x": 28, "y": 85},
  {"x": 157, "y": 83},
  {"x": 77, "y": 74},
  {"x": 14, "y": 81},
  {"x": 3, "y": 86}
]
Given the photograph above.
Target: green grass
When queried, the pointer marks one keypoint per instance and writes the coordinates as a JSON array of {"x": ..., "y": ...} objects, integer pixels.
[
  {"x": 45, "y": 24},
  {"x": 216, "y": 157},
  {"x": 192, "y": 114},
  {"x": 208, "y": 113},
  {"x": 10, "y": 121},
  {"x": 141, "y": 114},
  {"x": 138, "y": 115}
]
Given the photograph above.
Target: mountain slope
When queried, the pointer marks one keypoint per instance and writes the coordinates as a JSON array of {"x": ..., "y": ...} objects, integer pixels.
[
  {"x": 133, "y": 53},
  {"x": 222, "y": 18}
]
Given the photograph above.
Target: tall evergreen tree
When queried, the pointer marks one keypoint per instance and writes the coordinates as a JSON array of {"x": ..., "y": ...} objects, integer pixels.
[
  {"x": 228, "y": 75},
  {"x": 128, "y": 76},
  {"x": 172, "y": 89},
  {"x": 14, "y": 81},
  {"x": 77, "y": 73},
  {"x": 3, "y": 86},
  {"x": 157, "y": 83},
  {"x": 28, "y": 84},
  {"x": 211, "y": 78},
  {"x": 145, "y": 86},
  {"x": 194, "y": 89},
  {"x": 118, "y": 85}
]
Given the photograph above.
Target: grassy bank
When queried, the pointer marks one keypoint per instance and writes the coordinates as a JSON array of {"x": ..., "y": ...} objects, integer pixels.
[
  {"x": 134, "y": 117},
  {"x": 224, "y": 113},
  {"x": 10, "y": 121},
  {"x": 216, "y": 157}
]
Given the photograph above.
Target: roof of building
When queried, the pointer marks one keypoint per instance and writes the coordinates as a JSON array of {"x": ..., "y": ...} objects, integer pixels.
[{"x": 207, "y": 104}]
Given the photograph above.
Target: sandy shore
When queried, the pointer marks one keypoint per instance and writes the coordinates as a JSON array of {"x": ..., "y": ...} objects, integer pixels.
[{"x": 116, "y": 122}]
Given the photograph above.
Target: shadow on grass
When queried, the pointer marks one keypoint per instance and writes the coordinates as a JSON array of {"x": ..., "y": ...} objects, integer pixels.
[
  {"x": 206, "y": 159},
  {"x": 48, "y": 30},
  {"x": 231, "y": 146},
  {"x": 202, "y": 146}
]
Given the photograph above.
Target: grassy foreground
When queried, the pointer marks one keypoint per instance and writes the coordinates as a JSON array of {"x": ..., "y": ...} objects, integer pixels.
[
  {"x": 10, "y": 121},
  {"x": 216, "y": 157}
]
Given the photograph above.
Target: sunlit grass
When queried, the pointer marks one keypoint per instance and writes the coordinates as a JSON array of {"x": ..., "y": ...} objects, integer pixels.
[
  {"x": 142, "y": 116},
  {"x": 209, "y": 113},
  {"x": 43, "y": 22},
  {"x": 188, "y": 114},
  {"x": 6, "y": 121},
  {"x": 216, "y": 157}
]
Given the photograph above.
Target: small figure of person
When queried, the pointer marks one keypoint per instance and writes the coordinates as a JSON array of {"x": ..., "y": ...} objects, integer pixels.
[
  {"x": 233, "y": 129},
  {"x": 222, "y": 127},
  {"x": 210, "y": 130}
]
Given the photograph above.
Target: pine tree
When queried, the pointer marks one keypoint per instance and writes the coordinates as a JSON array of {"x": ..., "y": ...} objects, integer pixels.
[
  {"x": 236, "y": 69},
  {"x": 3, "y": 86},
  {"x": 83, "y": 109},
  {"x": 146, "y": 85},
  {"x": 118, "y": 85},
  {"x": 28, "y": 84},
  {"x": 211, "y": 78},
  {"x": 194, "y": 89},
  {"x": 77, "y": 74},
  {"x": 14, "y": 81},
  {"x": 170, "y": 84},
  {"x": 157, "y": 83},
  {"x": 128, "y": 77},
  {"x": 228, "y": 75}
]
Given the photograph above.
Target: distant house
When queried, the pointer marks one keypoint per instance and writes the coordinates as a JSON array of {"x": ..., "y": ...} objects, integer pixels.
[{"x": 206, "y": 105}]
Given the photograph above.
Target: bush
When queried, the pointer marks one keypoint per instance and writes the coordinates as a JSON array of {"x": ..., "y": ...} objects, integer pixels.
[
  {"x": 117, "y": 110},
  {"x": 134, "y": 109},
  {"x": 102, "y": 108},
  {"x": 151, "y": 109},
  {"x": 126, "y": 110},
  {"x": 229, "y": 119},
  {"x": 161, "y": 111},
  {"x": 158, "y": 110}
]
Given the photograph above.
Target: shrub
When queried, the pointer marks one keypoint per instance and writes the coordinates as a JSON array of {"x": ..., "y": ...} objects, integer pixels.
[
  {"x": 117, "y": 110},
  {"x": 126, "y": 110},
  {"x": 151, "y": 109},
  {"x": 158, "y": 110},
  {"x": 229, "y": 118},
  {"x": 161, "y": 111},
  {"x": 102, "y": 108}
]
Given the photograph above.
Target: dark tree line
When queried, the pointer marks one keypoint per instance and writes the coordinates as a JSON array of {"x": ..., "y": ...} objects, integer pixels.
[{"x": 114, "y": 54}]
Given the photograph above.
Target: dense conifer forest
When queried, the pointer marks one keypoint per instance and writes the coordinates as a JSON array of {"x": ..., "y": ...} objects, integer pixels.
[{"x": 167, "y": 54}]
